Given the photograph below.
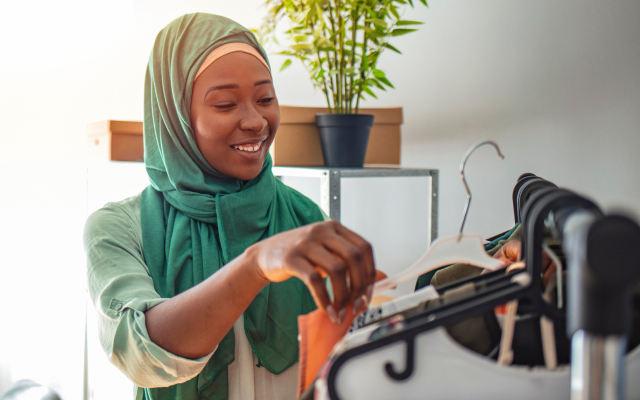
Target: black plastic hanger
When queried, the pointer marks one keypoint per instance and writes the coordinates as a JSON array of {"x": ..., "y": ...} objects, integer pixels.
[{"x": 514, "y": 195}]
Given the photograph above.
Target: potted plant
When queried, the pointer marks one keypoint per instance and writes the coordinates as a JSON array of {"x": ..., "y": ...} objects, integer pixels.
[{"x": 339, "y": 43}]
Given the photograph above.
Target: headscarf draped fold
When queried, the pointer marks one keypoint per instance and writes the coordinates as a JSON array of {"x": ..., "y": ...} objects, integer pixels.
[{"x": 195, "y": 219}]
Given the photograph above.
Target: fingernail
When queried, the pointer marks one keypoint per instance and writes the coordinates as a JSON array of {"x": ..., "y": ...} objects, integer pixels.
[
  {"x": 331, "y": 313},
  {"x": 356, "y": 305},
  {"x": 343, "y": 313}
]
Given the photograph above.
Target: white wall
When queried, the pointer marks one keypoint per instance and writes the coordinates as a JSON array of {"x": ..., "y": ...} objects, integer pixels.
[{"x": 556, "y": 84}]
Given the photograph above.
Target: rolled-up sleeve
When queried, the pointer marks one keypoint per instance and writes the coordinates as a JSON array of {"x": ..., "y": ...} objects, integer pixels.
[{"x": 121, "y": 290}]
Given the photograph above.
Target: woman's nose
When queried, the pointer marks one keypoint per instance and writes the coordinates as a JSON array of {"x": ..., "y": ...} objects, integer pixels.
[{"x": 252, "y": 120}]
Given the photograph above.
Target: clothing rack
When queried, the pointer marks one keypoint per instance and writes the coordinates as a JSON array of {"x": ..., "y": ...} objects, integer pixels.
[{"x": 602, "y": 253}]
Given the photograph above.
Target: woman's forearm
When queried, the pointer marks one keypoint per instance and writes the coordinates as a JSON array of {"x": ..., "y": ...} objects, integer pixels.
[{"x": 192, "y": 323}]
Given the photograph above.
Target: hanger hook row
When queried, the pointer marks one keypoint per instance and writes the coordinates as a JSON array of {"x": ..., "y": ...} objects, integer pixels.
[{"x": 464, "y": 180}]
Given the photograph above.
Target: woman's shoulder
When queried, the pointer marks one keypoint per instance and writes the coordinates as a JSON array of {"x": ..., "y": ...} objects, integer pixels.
[{"x": 118, "y": 216}]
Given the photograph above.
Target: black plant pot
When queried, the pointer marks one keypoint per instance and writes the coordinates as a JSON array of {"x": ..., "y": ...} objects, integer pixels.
[{"x": 344, "y": 138}]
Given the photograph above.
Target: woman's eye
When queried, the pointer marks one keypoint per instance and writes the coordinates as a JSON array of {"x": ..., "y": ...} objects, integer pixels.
[
  {"x": 224, "y": 105},
  {"x": 266, "y": 100}
]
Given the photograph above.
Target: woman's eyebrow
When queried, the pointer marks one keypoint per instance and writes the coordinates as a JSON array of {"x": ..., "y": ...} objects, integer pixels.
[
  {"x": 227, "y": 86},
  {"x": 234, "y": 86}
]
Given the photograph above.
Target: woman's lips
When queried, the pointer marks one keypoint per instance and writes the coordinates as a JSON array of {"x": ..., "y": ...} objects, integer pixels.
[{"x": 250, "y": 151}]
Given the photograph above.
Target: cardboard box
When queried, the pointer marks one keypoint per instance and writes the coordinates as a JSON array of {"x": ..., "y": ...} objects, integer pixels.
[
  {"x": 297, "y": 142},
  {"x": 115, "y": 141}
]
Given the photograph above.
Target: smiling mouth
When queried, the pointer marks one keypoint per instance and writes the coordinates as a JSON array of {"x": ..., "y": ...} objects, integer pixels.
[{"x": 250, "y": 148}]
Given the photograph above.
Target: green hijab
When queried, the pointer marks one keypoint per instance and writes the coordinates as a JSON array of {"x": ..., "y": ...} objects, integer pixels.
[{"x": 195, "y": 220}]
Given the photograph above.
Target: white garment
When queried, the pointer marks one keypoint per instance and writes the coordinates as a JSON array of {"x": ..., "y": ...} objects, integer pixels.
[{"x": 247, "y": 381}]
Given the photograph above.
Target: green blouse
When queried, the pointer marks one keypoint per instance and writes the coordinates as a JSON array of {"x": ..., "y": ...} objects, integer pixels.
[{"x": 121, "y": 290}]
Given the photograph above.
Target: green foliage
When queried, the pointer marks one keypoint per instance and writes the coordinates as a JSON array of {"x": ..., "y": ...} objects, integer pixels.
[{"x": 339, "y": 42}]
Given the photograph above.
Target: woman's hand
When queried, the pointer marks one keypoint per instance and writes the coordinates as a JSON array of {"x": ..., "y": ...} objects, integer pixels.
[
  {"x": 512, "y": 251},
  {"x": 313, "y": 252}
]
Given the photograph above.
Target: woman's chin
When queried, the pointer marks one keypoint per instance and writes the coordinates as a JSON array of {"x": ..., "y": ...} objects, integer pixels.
[{"x": 246, "y": 169}]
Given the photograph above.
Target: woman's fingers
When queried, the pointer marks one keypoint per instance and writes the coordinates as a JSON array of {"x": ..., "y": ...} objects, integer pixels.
[
  {"x": 335, "y": 269},
  {"x": 324, "y": 248},
  {"x": 368, "y": 261},
  {"x": 358, "y": 260},
  {"x": 304, "y": 270}
]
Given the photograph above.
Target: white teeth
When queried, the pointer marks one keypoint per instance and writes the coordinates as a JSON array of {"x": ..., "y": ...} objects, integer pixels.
[{"x": 250, "y": 149}]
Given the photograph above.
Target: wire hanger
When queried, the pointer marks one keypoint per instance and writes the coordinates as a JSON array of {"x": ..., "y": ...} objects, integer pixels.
[
  {"x": 463, "y": 164},
  {"x": 461, "y": 248}
]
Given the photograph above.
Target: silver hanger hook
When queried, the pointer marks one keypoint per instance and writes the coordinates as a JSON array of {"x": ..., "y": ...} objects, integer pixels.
[{"x": 464, "y": 180}]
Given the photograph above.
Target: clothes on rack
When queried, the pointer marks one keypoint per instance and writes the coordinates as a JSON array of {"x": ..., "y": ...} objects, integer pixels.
[
  {"x": 425, "y": 279},
  {"x": 441, "y": 361},
  {"x": 416, "y": 354},
  {"x": 384, "y": 310},
  {"x": 460, "y": 271}
]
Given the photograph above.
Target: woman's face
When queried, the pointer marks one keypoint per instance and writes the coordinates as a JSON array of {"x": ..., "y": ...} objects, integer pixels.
[{"x": 235, "y": 114}]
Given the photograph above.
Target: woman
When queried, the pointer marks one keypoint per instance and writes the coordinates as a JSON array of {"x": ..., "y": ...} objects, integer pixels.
[{"x": 198, "y": 281}]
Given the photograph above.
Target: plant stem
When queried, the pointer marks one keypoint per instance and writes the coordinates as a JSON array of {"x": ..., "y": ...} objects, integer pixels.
[
  {"x": 341, "y": 61},
  {"x": 335, "y": 90},
  {"x": 354, "y": 24},
  {"x": 324, "y": 82},
  {"x": 362, "y": 75}
]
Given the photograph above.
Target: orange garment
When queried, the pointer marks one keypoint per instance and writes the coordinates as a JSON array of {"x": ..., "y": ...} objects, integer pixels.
[{"x": 318, "y": 336}]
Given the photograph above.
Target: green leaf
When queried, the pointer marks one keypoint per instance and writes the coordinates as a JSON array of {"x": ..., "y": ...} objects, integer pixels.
[
  {"x": 378, "y": 74},
  {"x": 390, "y": 47},
  {"x": 285, "y": 64},
  {"x": 411, "y": 3},
  {"x": 300, "y": 38},
  {"x": 305, "y": 47},
  {"x": 377, "y": 21},
  {"x": 317, "y": 32},
  {"x": 321, "y": 41},
  {"x": 320, "y": 74},
  {"x": 386, "y": 82},
  {"x": 424, "y": 2},
  {"x": 400, "y": 31},
  {"x": 369, "y": 92},
  {"x": 402, "y": 22},
  {"x": 299, "y": 17},
  {"x": 365, "y": 62},
  {"x": 401, "y": 1},
  {"x": 394, "y": 11},
  {"x": 377, "y": 84},
  {"x": 372, "y": 31}
]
